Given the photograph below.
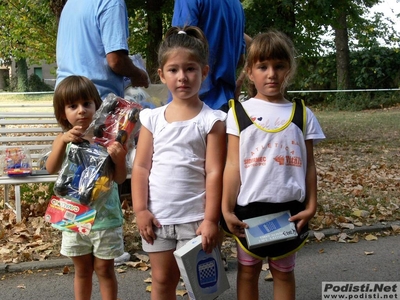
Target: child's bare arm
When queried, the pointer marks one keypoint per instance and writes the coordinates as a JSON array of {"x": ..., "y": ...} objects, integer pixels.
[
  {"x": 231, "y": 186},
  {"x": 214, "y": 166},
  {"x": 140, "y": 186},
  {"x": 306, "y": 215},
  {"x": 117, "y": 153}
]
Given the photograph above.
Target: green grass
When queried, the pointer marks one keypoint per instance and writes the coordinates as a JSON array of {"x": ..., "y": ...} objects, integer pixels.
[
  {"x": 34, "y": 99},
  {"x": 31, "y": 98}
]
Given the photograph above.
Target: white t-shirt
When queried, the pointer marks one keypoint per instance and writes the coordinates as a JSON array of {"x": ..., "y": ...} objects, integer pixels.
[
  {"x": 273, "y": 154},
  {"x": 177, "y": 176}
]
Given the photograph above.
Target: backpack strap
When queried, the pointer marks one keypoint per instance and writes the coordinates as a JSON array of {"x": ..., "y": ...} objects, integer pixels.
[
  {"x": 300, "y": 114},
  {"x": 243, "y": 120}
]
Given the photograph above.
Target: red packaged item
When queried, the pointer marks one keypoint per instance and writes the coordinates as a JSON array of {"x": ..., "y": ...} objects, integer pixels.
[
  {"x": 65, "y": 214},
  {"x": 117, "y": 119}
]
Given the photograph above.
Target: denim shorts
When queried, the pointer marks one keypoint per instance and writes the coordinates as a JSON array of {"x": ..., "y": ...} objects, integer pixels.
[
  {"x": 171, "y": 237},
  {"x": 103, "y": 244}
]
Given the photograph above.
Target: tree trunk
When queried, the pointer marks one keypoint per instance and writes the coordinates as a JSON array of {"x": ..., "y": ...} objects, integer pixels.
[
  {"x": 22, "y": 75},
  {"x": 155, "y": 35},
  {"x": 342, "y": 52}
]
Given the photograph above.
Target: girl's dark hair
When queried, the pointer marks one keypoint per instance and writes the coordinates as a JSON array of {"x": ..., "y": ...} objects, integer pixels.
[
  {"x": 273, "y": 44},
  {"x": 57, "y": 6},
  {"x": 188, "y": 37},
  {"x": 69, "y": 90}
]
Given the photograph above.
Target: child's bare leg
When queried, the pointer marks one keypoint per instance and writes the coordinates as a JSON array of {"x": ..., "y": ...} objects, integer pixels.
[
  {"x": 164, "y": 275},
  {"x": 83, "y": 276},
  {"x": 247, "y": 281},
  {"x": 284, "y": 284},
  {"x": 107, "y": 280}
]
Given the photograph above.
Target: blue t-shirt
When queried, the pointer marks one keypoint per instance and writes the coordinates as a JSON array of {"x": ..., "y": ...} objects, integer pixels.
[
  {"x": 87, "y": 31},
  {"x": 223, "y": 23}
]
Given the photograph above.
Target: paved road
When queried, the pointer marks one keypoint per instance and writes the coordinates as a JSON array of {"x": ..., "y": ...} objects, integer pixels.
[{"x": 316, "y": 262}]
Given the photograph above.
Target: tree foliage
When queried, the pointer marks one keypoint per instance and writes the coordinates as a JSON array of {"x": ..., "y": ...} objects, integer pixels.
[
  {"x": 28, "y": 30},
  {"x": 339, "y": 45}
]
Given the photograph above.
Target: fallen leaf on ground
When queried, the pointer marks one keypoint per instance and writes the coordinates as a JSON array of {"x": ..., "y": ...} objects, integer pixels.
[
  {"x": 148, "y": 280},
  {"x": 319, "y": 235},
  {"x": 268, "y": 277},
  {"x": 138, "y": 265},
  {"x": 142, "y": 257},
  {"x": 265, "y": 267},
  {"x": 371, "y": 237},
  {"x": 361, "y": 213},
  {"x": 355, "y": 239},
  {"x": 347, "y": 225},
  {"x": 181, "y": 293},
  {"x": 396, "y": 228}
]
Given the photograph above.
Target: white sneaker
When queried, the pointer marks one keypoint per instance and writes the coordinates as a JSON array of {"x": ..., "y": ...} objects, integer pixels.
[{"x": 121, "y": 259}]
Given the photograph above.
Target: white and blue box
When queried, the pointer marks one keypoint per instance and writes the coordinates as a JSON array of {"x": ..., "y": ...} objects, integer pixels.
[
  {"x": 269, "y": 229},
  {"x": 203, "y": 274}
]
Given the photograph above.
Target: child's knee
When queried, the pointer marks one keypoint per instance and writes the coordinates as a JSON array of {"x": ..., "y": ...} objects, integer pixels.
[
  {"x": 285, "y": 264},
  {"x": 104, "y": 268},
  {"x": 249, "y": 273},
  {"x": 165, "y": 278},
  {"x": 282, "y": 276}
]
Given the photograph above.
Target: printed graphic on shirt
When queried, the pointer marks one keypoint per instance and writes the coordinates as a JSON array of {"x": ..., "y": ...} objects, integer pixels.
[
  {"x": 288, "y": 160},
  {"x": 267, "y": 123},
  {"x": 258, "y": 159}
]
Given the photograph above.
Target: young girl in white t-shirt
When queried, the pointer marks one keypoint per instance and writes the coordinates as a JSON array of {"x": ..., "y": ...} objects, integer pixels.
[
  {"x": 270, "y": 165},
  {"x": 179, "y": 161}
]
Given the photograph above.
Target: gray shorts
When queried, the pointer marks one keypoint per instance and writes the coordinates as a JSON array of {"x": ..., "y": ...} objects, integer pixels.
[
  {"x": 171, "y": 237},
  {"x": 104, "y": 244}
]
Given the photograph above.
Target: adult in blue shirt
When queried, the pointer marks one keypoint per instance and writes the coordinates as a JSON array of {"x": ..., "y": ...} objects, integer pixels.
[
  {"x": 92, "y": 42},
  {"x": 222, "y": 21}
]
